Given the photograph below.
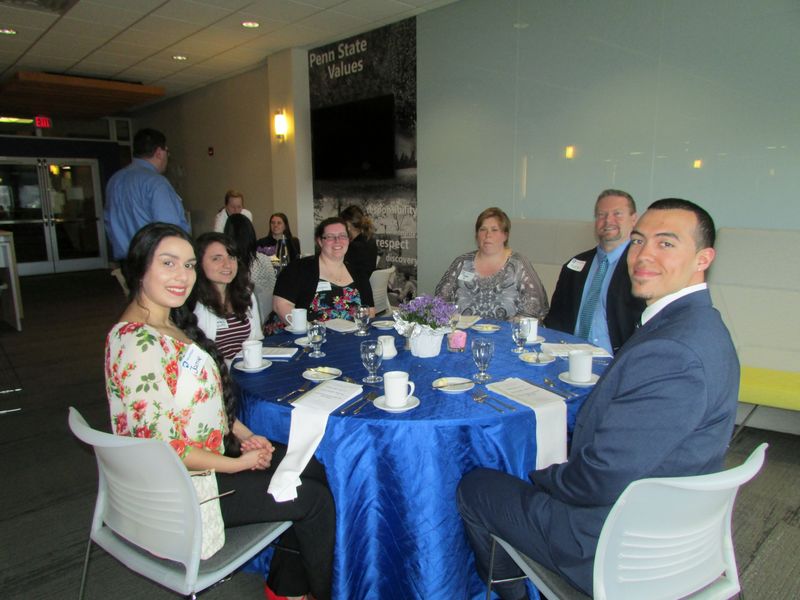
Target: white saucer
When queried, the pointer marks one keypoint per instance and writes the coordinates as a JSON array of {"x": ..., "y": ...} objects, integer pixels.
[
  {"x": 264, "y": 365},
  {"x": 539, "y": 339},
  {"x": 317, "y": 376},
  {"x": 303, "y": 341},
  {"x": 485, "y": 327},
  {"x": 455, "y": 385},
  {"x": 530, "y": 358},
  {"x": 383, "y": 325},
  {"x": 380, "y": 402},
  {"x": 565, "y": 378},
  {"x": 295, "y": 332}
]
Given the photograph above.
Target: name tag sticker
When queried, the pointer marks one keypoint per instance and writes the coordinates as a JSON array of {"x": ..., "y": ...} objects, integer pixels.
[
  {"x": 193, "y": 360},
  {"x": 221, "y": 324},
  {"x": 466, "y": 276},
  {"x": 324, "y": 286},
  {"x": 576, "y": 265}
]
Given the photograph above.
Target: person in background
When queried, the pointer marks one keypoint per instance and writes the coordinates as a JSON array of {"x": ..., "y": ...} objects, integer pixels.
[
  {"x": 593, "y": 296},
  {"x": 140, "y": 194},
  {"x": 280, "y": 243},
  {"x": 494, "y": 282},
  {"x": 323, "y": 284},
  {"x": 226, "y": 309},
  {"x": 262, "y": 274},
  {"x": 234, "y": 205},
  {"x": 194, "y": 410},
  {"x": 665, "y": 407},
  {"x": 362, "y": 254}
]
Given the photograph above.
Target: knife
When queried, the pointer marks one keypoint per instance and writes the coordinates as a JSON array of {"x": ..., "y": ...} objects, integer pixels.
[
  {"x": 325, "y": 370},
  {"x": 370, "y": 397},
  {"x": 557, "y": 390},
  {"x": 351, "y": 404},
  {"x": 501, "y": 403}
]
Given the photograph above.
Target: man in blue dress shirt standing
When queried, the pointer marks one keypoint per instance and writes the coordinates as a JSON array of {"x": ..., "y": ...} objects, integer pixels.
[
  {"x": 665, "y": 407},
  {"x": 139, "y": 194},
  {"x": 593, "y": 297}
]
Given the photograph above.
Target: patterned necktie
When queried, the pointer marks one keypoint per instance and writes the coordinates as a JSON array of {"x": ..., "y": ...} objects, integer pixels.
[{"x": 587, "y": 314}]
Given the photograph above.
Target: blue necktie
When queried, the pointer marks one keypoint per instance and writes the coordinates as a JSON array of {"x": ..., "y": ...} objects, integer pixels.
[{"x": 587, "y": 314}]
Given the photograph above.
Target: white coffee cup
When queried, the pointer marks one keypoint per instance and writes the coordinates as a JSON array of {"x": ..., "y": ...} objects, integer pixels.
[
  {"x": 251, "y": 352},
  {"x": 397, "y": 388},
  {"x": 580, "y": 365},
  {"x": 297, "y": 320},
  {"x": 533, "y": 332},
  {"x": 387, "y": 341}
]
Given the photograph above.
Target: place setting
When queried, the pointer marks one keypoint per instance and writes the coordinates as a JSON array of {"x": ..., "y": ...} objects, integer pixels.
[
  {"x": 580, "y": 369},
  {"x": 252, "y": 360}
]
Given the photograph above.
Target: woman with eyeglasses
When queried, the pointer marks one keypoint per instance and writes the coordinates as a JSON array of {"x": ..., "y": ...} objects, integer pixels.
[{"x": 323, "y": 284}]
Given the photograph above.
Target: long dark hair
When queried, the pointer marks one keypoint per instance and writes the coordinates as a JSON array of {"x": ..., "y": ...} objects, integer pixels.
[
  {"x": 287, "y": 231},
  {"x": 237, "y": 292},
  {"x": 140, "y": 257},
  {"x": 243, "y": 234}
]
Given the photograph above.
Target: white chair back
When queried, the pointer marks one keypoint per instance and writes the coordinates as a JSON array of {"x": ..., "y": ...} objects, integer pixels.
[
  {"x": 379, "y": 282},
  {"x": 668, "y": 537},
  {"x": 145, "y": 494}
]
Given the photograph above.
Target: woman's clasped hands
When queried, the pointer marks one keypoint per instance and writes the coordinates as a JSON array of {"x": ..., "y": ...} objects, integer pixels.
[{"x": 256, "y": 453}]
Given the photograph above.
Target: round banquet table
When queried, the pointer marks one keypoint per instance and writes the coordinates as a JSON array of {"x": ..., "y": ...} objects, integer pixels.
[{"x": 394, "y": 475}]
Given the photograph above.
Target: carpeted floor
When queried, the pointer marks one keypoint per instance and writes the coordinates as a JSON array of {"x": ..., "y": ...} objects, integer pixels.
[{"x": 49, "y": 479}]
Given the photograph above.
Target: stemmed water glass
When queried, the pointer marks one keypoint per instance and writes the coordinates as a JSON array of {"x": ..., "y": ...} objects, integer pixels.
[
  {"x": 455, "y": 317},
  {"x": 362, "y": 320},
  {"x": 372, "y": 356},
  {"x": 520, "y": 328},
  {"x": 316, "y": 336},
  {"x": 482, "y": 352}
]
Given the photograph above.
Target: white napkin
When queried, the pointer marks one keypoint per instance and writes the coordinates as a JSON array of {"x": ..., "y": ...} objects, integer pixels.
[
  {"x": 564, "y": 349},
  {"x": 340, "y": 325},
  {"x": 551, "y": 417},
  {"x": 467, "y": 321},
  {"x": 309, "y": 420},
  {"x": 274, "y": 353}
]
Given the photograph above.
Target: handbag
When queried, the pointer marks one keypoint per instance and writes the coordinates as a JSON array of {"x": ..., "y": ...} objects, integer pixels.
[{"x": 213, "y": 527}]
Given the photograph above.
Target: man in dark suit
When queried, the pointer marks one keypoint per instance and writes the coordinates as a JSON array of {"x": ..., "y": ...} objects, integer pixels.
[
  {"x": 607, "y": 317},
  {"x": 665, "y": 407}
]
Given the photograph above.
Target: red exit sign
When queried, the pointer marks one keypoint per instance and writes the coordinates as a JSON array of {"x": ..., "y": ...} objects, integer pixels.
[{"x": 43, "y": 122}]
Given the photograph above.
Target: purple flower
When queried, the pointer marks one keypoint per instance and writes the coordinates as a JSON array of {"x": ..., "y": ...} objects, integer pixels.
[{"x": 427, "y": 310}]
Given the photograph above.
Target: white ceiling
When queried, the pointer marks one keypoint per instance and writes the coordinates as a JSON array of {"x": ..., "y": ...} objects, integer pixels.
[{"x": 135, "y": 40}]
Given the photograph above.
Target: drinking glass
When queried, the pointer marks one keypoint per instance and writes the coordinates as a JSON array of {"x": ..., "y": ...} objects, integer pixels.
[
  {"x": 482, "y": 351},
  {"x": 520, "y": 328},
  {"x": 316, "y": 336},
  {"x": 455, "y": 317},
  {"x": 362, "y": 320},
  {"x": 371, "y": 356}
]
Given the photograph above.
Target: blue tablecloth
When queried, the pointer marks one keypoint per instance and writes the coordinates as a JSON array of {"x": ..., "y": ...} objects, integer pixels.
[{"x": 394, "y": 475}]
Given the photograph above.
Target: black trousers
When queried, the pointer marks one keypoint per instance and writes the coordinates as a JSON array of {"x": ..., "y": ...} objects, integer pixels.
[{"x": 309, "y": 568}]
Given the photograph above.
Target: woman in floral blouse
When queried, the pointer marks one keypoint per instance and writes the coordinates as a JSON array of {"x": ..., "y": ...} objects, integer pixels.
[
  {"x": 166, "y": 380},
  {"x": 324, "y": 284}
]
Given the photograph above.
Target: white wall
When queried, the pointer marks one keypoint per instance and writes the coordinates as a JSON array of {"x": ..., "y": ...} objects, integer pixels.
[{"x": 640, "y": 88}]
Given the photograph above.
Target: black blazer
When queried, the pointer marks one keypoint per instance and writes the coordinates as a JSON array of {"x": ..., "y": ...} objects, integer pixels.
[{"x": 622, "y": 309}]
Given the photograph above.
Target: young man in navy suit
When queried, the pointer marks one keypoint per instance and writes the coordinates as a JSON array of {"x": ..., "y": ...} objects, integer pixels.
[{"x": 665, "y": 407}]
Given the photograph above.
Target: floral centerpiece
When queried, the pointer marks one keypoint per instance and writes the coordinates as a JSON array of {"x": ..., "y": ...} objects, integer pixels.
[{"x": 424, "y": 320}]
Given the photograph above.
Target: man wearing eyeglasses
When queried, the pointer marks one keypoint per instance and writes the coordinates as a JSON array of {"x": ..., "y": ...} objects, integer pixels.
[
  {"x": 593, "y": 297},
  {"x": 140, "y": 194}
]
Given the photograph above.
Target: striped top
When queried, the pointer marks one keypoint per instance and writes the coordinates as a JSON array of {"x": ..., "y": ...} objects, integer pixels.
[{"x": 229, "y": 339}]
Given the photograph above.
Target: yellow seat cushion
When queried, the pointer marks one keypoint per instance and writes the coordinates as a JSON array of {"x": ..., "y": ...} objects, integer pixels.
[{"x": 770, "y": 387}]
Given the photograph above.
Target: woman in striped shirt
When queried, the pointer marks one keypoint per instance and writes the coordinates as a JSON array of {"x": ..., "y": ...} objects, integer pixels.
[{"x": 226, "y": 308}]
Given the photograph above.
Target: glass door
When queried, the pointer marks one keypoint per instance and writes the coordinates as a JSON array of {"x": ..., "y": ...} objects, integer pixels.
[{"x": 54, "y": 210}]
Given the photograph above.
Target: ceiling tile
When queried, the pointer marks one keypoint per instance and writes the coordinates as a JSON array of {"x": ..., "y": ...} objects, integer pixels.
[
  {"x": 75, "y": 48},
  {"x": 192, "y": 12},
  {"x": 88, "y": 68},
  {"x": 53, "y": 64},
  {"x": 283, "y": 11},
  {"x": 332, "y": 21},
  {"x": 166, "y": 31},
  {"x": 112, "y": 58},
  {"x": 118, "y": 46},
  {"x": 371, "y": 10},
  {"x": 105, "y": 14},
  {"x": 17, "y": 17},
  {"x": 99, "y": 31}
]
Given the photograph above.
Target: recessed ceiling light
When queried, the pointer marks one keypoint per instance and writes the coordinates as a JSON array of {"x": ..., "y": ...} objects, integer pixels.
[
  {"x": 180, "y": 57},
  {"x": 7, "y": 31},
  {"x": 251, "y": 24},
  {"x": 521, "y": 25}
]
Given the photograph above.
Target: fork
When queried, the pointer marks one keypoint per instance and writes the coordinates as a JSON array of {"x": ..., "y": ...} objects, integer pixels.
[
  {"x": 480, "y": 398},
  {"x": 300, "y": 390}
]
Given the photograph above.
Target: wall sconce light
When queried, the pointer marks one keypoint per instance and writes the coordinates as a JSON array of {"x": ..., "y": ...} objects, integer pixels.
[
  {"x": 569, "y": 152},
  {"x": 697, "y": 163},
  {"x": 281, "y": 125}
]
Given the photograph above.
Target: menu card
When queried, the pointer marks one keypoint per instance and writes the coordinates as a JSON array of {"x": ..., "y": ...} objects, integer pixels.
[
  {"x": 309, "y": 421},
  {"x": 551, "y": 417},
  {"x": 564, "y": 349}
]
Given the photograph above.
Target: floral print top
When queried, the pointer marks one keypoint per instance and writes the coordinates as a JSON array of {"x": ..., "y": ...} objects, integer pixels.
[
  {"x": 152, "y": 395},
  {"x": 339, "y": 302}
]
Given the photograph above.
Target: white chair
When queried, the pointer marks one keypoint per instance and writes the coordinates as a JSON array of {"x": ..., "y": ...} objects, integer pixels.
[
  {"x": 379, "y": 282},
  {"x": 665, "y": 538},
  {"x": 148, "y": 518}
]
